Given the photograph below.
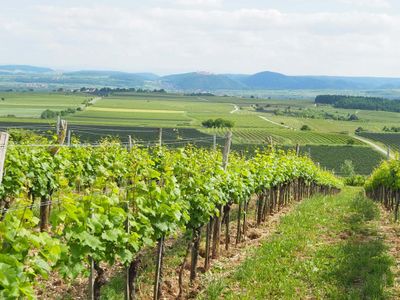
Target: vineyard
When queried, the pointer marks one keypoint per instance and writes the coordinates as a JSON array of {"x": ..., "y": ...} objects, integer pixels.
[
  {"x": 285, "y": 137},
  {"x": 388, "y": 139},
  {"x": 74, "y": 211},
  {"x": 364, "y": 158},
  {"x": 384, "y": 186}
]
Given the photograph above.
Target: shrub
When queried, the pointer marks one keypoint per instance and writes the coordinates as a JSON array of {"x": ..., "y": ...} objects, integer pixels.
[
  {"x": 48, "y": 114},
  {"x": 305, "y": 128},
  {"x": 218, "y": 123}
]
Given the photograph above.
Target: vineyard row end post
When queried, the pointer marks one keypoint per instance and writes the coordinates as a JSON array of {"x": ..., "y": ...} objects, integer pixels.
[
  {"x": 4, "y": 137},
  {"x": 160, "y": 134}
]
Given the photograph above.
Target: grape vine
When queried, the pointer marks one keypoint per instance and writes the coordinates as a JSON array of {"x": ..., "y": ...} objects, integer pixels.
[{"x": 106, "y": 203}]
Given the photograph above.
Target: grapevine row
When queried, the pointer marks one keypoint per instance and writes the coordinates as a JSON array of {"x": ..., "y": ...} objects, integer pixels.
[
  {"x": 99, "y": 205},
  {"x": 384, "y": 185}
]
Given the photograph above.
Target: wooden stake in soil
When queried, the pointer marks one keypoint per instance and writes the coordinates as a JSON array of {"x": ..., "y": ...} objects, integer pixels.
[
  {"x": 128, "y": 282},
  {"x": 218, "y": 220},
  {"x": 245, "y": 206},
  {"x": 216, "y": 234},
  {"x": 214, "y": 142},
  {"x": 238, "y": 228},
  {"x": 227, "y": 221},
  {"x": 45, "y": 201},
  {"x": 227, "y": 149},
  {"x": 159, "y": 265},
  {"x": 260, "y": 208},
  {"x": 160, "y": 133},
  {"x": 208, "y": 244},
  {"x": 3, "y": 149},
  {"x": 130, "y": 143},
  {"x": 69, "y": 138}
]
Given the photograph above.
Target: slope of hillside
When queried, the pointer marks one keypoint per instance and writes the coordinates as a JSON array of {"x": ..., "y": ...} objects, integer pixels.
[
  {"x": 201, "y": 81},
  {"x": 23, "y": 69}
]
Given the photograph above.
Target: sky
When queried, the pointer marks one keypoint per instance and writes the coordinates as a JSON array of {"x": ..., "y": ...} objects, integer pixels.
[{"x": 295, "y": 37}]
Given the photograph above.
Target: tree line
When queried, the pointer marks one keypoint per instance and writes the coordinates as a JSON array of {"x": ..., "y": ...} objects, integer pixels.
[{"x": 359, "y": 102}]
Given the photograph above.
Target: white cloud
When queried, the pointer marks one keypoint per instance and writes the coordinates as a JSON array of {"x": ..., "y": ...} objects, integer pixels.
[
  {"x": 185, "y": 39},
  {"x": 201, "y": 3},
  {"x": 369, "y": 3}
]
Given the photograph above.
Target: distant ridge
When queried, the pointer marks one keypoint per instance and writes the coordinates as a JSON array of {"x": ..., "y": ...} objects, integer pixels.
[
  {"x": 200, "y": 81},
  {"x": 194, "y": 81},
  {"x": 24, "y": 69}
]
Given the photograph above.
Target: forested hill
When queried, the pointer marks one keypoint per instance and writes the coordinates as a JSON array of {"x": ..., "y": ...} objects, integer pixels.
[{"x": 359, "y": 102}]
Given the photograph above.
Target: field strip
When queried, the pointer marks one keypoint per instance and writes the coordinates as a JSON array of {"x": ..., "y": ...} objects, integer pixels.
[
  {"x": 202, "y": 99},
  {"x": 275, "y": 123},
  {"x": 34, "y": 105},
  {"x": 236, "y": 108},
  {"x": 159, "y": 111},
  {"x": 373, "y": 145}
]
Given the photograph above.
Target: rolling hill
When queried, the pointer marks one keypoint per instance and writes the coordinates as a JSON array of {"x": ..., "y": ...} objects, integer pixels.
[{"x": 18, "y": 75}]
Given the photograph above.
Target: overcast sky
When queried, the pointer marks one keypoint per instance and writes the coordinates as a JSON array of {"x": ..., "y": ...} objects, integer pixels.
[{"x": 318, "y": 37}]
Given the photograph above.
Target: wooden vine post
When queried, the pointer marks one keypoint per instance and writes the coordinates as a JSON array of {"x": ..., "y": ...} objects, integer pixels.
[
  {"x": 388, "y": 153},
  {"x": 130, "y": 143},
  {"x": 214, "y": 142},
  {"x": 129, "y": 289},
  {"x": 159, "y": 266},
  {"x": 4, "y": 137},
  {"x": 69, "y": 138},
  {"x": 217, "y": 220},
  {"x": 160, "y": 134},
  {"x": 92, "y": 277},
  {"x": 45, "y": 201},
  {"x": 208, "y": 244}
]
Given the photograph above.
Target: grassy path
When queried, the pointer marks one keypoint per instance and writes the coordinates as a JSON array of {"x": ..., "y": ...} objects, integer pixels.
[
  {"x": 373, "y": 145},
  {"x": 326, "y": 248}
]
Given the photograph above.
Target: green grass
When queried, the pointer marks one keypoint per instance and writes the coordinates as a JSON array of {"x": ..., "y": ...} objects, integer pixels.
[{"x": 327, "y": 248}]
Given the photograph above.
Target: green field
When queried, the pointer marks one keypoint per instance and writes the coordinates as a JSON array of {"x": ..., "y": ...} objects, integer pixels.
[
  {"x": 141, "y": 114},
  {"x": 31, "y": 105}
]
